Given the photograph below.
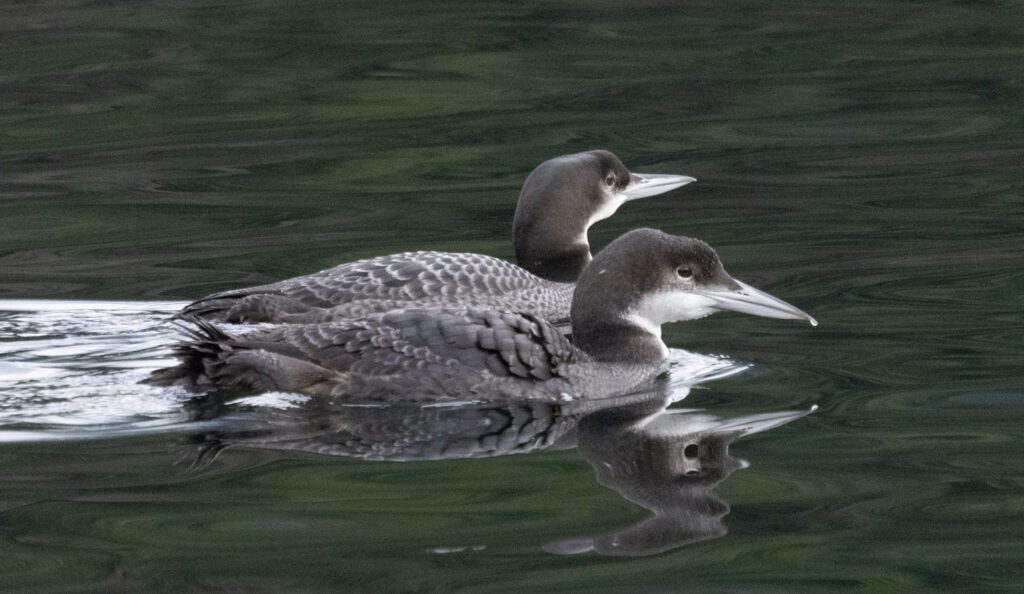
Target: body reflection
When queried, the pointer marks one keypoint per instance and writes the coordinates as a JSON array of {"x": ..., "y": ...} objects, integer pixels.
[
  {"x": 396, "y": 432},
  {"x": 400, "y": 432}
]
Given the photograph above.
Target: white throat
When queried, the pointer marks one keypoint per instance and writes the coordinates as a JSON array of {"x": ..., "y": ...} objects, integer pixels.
[
  {"x": 613, "y": 200},
  {"x": 669, "y": 306}
]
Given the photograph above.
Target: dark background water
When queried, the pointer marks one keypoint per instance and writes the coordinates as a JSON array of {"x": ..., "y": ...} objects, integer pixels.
[{"x": 861, "y": 160}]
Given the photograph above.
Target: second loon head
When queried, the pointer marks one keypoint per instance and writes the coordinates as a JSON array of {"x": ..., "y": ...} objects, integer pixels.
[
  {"x": 563, "y": 197},
  {"x": 647, "y": 278}
]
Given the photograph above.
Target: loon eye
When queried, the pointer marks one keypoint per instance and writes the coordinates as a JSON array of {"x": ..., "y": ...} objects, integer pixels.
[
  {"x": 610, "y": 180},
  {"x": 684, "y": 272}
]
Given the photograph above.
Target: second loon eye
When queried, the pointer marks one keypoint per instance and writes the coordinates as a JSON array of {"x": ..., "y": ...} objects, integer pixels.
[{"x": 684, "y": 272}]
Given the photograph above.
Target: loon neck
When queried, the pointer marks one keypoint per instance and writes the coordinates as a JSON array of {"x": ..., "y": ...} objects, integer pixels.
[
  {"x": 619, "y": 340},
  {"x": 550, "y": 226},
  {"x": 562, "y": 264}
]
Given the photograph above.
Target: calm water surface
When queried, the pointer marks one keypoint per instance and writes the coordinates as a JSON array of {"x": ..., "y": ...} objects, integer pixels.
[{"x": 863, "y": 162}]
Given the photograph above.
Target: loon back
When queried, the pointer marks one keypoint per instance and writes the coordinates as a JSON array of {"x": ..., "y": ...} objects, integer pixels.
[
  {"x": 384, "y": 283},
  {"x": 414, "y": 354}
]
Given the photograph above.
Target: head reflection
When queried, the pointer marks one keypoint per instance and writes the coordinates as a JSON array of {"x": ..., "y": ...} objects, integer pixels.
[{"x": 668, "y": 462}]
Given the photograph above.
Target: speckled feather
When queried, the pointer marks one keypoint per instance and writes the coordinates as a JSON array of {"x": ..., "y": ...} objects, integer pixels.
[
  {"x": 406, "y": 280},
  {"x": 446, "y": 352}
]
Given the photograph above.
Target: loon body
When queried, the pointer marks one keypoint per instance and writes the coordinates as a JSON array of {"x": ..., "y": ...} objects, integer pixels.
[
  {"x": 640, "y": 281},
  {"x": 559, "y": 202}
]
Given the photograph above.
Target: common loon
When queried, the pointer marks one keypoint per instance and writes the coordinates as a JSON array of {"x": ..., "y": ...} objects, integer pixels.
[
  {"x": 559, "y": 202},
  {"x": 640, "y": 281}
]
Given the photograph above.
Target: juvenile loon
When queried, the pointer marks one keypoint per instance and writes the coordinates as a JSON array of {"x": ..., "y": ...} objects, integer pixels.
[
  {"x": 640, "y": 281},
  {"x": 559, "y": 202}
]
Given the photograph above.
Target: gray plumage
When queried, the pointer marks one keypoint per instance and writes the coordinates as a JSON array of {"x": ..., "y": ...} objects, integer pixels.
[
  {"x": 410, "y": 355},
  {"x": 410, "y": 279}
]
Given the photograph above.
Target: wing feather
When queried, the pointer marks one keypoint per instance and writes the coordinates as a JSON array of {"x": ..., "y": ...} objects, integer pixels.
[
  {"x": 424, "y": 279},
  {"x": 439, "y": 349}
]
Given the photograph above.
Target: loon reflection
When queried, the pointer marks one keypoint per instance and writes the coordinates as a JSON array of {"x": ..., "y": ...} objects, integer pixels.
[{"x": 666, "y": 460}]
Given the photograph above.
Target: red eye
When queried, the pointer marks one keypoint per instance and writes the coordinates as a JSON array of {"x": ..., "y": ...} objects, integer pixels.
[
  {"x": 684, "y": 273},
  {"x": 610, "y": 180}
]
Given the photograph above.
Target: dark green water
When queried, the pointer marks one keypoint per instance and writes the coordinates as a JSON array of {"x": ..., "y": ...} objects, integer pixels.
[{"x": 862, "y": 161}]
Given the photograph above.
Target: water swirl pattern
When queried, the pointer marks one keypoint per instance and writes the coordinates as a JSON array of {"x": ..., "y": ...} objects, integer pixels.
[{"x": 861, "y": 160}]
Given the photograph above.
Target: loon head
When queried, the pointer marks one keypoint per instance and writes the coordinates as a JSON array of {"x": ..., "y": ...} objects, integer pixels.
[
  {"x": 647, "y": 278},
  {"x": 563, "y": 197}
]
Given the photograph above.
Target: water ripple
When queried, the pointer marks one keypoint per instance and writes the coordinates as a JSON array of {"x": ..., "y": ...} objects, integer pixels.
[{"x": 72, "y": 368}]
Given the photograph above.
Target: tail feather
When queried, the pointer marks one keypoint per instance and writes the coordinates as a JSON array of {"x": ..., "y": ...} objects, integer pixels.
[
  {"x": 210, "y": 359},
  {"x": 242, "y": 307},
  {"x": 203, "y": 344},
  {"x": 210, "y": 309}
]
